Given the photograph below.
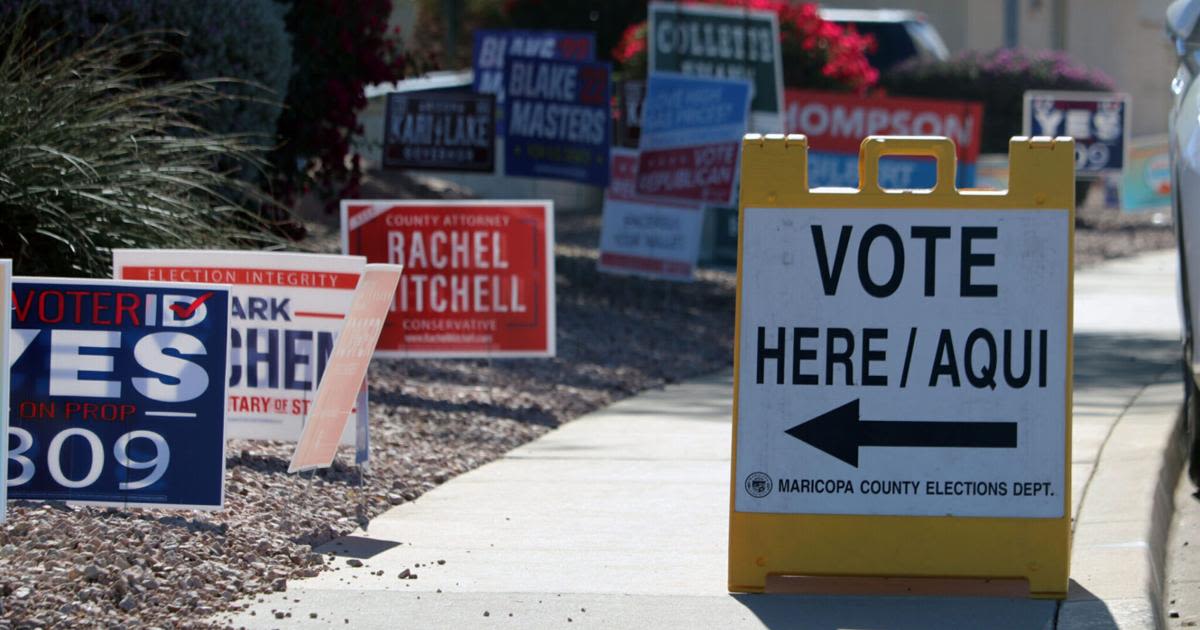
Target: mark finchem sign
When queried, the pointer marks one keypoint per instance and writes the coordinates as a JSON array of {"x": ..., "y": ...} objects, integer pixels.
[
  {"x": 286, "y": 311},
  {"x": 478, "y": 275},
  {"x": 724, "y": 43},
  {"x": 903, "y": 362},
  {"x": 118, "y": 392}
]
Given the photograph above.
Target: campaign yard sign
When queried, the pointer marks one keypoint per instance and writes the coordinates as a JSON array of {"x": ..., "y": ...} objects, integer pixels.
[
  {"x": 478, "y": 275},
  {"x": 1098, "y": 121},
  {"x": 902, "y": 373},
  {"x": 837, "y": 123},
  {"x": 1146, "y": 183},
  {"x": 5, "y": 307},
  {"x": 646, "y": 237},
  {"x": 493, "y": 47},
  {"x": 557, "y": 117},
  {"x": 351, "y": 356},
  {"x": 692, "y": 128},
  {"x": 286, "y": 309},
  {"x": 118, "y": 392},
  {"x": 722, "y": 42},
  {"x": 631, "y": 95},
  {"x": 443, "y": 131}
]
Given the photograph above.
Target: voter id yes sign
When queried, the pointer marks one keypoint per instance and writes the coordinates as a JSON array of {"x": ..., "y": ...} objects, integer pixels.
[
  {"x": 903, "y": 355},
  {"x": 118, "y": 392},
  {"x": 287, "y": 309}
]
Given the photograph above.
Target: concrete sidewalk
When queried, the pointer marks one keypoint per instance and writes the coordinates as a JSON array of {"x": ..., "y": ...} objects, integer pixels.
[{"x": 619, "y": 519}]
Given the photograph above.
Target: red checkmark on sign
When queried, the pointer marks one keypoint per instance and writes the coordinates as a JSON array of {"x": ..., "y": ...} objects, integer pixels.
[{"x": 185, "y": 312}]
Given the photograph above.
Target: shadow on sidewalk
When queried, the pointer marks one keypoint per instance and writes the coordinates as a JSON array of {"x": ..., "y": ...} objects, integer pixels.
[
  {"x": 1104, "y": 360},
  {"x": 830, "y": 612}
]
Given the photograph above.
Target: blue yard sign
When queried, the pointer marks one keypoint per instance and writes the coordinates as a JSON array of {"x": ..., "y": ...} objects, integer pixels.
[
  {"x": 1098, "y": 121},
  {"x": 493, "y": 47},
  {"x": 558, "y": 115},
  {"x": 118, "y": 392}
]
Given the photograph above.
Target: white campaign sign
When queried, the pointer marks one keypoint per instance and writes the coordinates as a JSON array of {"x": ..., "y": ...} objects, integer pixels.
[
  {"x": 642, "y": 236},
  {"x": 903, "y": 362},
  {"x": 287, "y": 309}
]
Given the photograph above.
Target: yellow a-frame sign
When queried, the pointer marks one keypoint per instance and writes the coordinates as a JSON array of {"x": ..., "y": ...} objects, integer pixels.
[{"x": 902, "y": 401}]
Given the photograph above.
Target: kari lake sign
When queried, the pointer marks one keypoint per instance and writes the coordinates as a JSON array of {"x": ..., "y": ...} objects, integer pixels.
[{"x": 442, "y": 131}]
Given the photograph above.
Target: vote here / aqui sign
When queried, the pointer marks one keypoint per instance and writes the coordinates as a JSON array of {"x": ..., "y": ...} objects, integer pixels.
[
  {"x": 118, "y": 392},
  {"x": 905, "y": 355},
  {"x": 478, "y": 275}
]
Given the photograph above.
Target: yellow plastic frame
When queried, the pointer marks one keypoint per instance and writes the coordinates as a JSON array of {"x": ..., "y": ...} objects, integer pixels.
[{"x": 1037, "y": 550}]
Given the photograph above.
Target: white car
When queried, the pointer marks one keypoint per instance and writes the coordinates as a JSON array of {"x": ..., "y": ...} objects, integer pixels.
[{"x": 1183, "y": 27}]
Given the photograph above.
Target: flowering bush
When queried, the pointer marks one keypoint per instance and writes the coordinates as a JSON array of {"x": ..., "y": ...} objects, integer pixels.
[
  {"x": 816, "y": 54},
  {"x": 341, "y": 46},
  {"x": 999, "y": 80}
]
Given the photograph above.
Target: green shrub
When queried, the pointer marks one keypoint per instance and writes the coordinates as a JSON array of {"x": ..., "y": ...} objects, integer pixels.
[
  {"x": 998, "y": 79},
  {"x": 93, "y": 156},
  {"x": 243, "y": 40}
]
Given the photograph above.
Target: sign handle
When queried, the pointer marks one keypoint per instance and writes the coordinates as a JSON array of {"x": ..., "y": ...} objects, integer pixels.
[{"x": 875, "y": 147}]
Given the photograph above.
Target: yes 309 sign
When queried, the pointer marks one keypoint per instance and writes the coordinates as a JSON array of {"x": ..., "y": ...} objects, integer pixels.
[{"x": 118, "y": 392}]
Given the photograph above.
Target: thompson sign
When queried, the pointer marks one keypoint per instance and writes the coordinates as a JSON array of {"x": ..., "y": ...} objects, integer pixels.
[{"x": 478, "y": 275}]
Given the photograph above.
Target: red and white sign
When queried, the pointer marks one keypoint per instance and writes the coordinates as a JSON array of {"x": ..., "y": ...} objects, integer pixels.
[
  {"x": 646, "y": 237},
  {"x": 286, "y": 311},
  {"x": 478, "y": 275},
  {"x": 837, "y": 122},
  {"x": 347, "y": 368}
]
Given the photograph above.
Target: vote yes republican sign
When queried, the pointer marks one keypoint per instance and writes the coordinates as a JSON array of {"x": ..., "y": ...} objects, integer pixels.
[
  {"x": 118, "y": 392},
  {"x": 691, "y": 127},
  {"x": 478, "y": 275}
]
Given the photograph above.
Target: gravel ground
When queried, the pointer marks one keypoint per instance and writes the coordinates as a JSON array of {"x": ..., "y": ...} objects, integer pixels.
[
  {"x": 430, "y": 420},
  {"x": 1102, "y": 234}
]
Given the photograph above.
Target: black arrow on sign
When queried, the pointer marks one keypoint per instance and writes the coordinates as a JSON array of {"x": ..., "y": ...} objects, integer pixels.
[{"x": 840, "y": 433}]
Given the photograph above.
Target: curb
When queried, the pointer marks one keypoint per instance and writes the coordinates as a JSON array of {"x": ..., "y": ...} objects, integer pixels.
[{"x": 1119, "y": 536}]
